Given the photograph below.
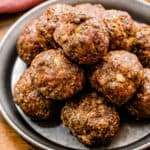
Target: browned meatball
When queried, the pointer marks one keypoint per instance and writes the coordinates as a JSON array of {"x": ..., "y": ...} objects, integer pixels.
[
  {"x": 139, "y": 106},
  {"x": 118, "y": 76},
  {"x": 90, "y": 10},
  {"x": 90, "y": 120},
  {"x": 37, "y": 36},
  {"x": 142, "y": 47},
  {"x": 83, "y": 39},
  {"x": 29, "y": 99},
  {"x": 30, "y": 43},
  {"x": 55, "y": 76},
  {"x": 121, "y": 29}
]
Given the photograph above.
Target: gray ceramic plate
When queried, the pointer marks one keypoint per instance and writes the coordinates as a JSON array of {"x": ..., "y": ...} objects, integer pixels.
[{"x": 132, "y": 135}]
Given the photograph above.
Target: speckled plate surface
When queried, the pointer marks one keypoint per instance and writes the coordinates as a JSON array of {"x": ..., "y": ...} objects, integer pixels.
[{"x": 132, "y": 135}]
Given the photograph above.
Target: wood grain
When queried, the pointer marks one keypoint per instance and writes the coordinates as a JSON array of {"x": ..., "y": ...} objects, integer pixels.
[{"x": 9, "y": 139}]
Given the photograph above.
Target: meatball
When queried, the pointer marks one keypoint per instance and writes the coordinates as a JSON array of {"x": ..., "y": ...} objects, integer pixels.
[
  {"x": 30, "y": 43},
  {"x": 90, "y": 119},
  {"x": 83, "y": 39},
  {"x": 139, "y": 106},
  {"x": 29, "y": 99},
  {"x": 37, "y": 36},
  {"x": 142, "y": 46},
  {"x": 55, "y": 76},
  {"x": 121, "y": 29},
  {"x": 118, "y": 76},
  {"x": 90, "y": 10}
]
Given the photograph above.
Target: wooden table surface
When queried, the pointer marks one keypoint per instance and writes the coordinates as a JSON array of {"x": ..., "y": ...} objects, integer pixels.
[{"x": 9, "y": 139}]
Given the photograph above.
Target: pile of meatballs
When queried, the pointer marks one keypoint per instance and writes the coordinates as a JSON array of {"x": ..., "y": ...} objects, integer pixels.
[{"x": 92, "y": 60}]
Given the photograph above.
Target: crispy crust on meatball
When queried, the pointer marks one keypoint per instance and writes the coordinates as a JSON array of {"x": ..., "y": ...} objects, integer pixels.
[
  {"x": 29, "y": 99},
  {"x": 90, "y": 120},
  {"x": 118, "y": 76},
  {"x": 139, "y": 106},
  {"x": 83, "y": 39},
  {"x": 142, "y": 46},
  {"x": 121, "y": 29},
  {"x": 55, "y": 76},
  {"x": 90, "y": 10}
]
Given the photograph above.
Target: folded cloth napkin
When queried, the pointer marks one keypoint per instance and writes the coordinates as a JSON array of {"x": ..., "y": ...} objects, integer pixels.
[{"x": 12, "y": 6}]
